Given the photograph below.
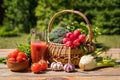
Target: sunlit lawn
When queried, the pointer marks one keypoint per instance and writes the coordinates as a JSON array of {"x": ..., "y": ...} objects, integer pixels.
[
  {"x": 10, "y": 42},
  {"x": 112, "y": 41}
]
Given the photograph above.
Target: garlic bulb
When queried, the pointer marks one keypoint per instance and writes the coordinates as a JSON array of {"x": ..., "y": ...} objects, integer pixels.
[
  {"x": 69, "y": 67},
  {"x": 87, "y": 62},
  {"x": 56, "y": 66}
]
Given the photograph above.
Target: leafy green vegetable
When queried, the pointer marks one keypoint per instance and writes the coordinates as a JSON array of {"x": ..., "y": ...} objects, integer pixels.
[
  {"x": 105, "y": 61},
  {"x": 83, "y": 28},
  {"x": 25, "y": 48},
  {"x": 3, "y": 60},
  {"x": 57, "y": 34}
]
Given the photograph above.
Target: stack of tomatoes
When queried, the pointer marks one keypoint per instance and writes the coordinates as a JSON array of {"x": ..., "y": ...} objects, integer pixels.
[
  {"x": 40, "y": 66},
  {"x": 74, "y": 38},
  {"x": 17, "y": 56}
]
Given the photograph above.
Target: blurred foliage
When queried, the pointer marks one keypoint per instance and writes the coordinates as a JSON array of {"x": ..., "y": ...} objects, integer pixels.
[
  {"x": 18, "y": 15},
  {"x": 103, "y": 14},
  {"x": 21, "y": 16}
]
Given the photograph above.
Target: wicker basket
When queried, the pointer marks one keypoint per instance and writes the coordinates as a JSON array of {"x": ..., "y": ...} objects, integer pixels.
[{"x": 59, "y": 52}]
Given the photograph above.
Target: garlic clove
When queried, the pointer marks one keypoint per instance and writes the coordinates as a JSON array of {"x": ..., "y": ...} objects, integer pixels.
[
  {"x": 56, "y": 66},
  {"x": 69, "y": 67}
]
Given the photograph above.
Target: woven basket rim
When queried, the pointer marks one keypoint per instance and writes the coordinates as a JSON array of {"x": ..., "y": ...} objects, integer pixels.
[{"x": 56, "y": 43}]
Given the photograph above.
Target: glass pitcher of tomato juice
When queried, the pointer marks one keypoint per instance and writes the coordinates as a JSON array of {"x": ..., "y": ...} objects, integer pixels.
[{"x": 38, "y": 48}]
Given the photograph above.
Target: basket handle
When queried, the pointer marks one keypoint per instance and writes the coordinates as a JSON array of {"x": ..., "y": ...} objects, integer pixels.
[{"x": 75, "y": 12}]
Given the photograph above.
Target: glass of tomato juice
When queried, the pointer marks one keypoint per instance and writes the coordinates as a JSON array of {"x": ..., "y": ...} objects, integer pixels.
[{"x": 38, "y": 50}]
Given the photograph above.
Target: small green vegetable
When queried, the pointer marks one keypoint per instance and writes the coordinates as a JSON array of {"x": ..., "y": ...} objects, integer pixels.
[
  {"x": 89, "y": 62},
  {"x": 3, "y": 60},
  {"x": 57, "y": 34},
  {"x": 25, "y": 48}
]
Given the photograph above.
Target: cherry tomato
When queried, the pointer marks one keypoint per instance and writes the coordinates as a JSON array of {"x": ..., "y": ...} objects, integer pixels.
[
  {"x": 77, "y": 33},
  {"x": 44, "y": 64},
  {"x": 16, "y": 51},
  {"x": 22, "y": 54},
  {"x": 36, "y": 68},
  {"x": 24, "y": 59},
  {"x": 19, "y": 59},
  {"x": 9, "y": 55},
  {"x": 13, "y": 54},
  {"x": 12, "y": 59}
]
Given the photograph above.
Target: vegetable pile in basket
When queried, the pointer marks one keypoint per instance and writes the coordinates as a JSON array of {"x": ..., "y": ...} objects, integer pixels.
[{"x": 74, "y": 39}]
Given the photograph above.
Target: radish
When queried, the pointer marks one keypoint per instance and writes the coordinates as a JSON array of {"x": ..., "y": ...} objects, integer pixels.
[
  {"x": 76, "y": 42},
  {"x": 81, "y": 38},
  {"x": 68, "y": 34},
  {"x": 69, "y": 44},
  {"x": 77, "y": 33},
  {"x": 64, "y": 40}
]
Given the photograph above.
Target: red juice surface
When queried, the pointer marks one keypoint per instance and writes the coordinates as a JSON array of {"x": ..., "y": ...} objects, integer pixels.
[{"x": 38, "y": 51}]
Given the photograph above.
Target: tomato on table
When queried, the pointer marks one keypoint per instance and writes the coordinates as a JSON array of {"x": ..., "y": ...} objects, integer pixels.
[
  {"x": 44, "y": 64},
  {"x": 36, "y": 68}
]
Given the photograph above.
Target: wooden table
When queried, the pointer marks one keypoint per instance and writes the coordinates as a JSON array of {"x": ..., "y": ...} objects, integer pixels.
[{"x": 98, "y": 74}]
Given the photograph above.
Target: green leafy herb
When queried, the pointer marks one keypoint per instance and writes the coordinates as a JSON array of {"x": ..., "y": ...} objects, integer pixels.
[
  {"x": 25, "y": 48},
  {"x": 3, "y": 60}
]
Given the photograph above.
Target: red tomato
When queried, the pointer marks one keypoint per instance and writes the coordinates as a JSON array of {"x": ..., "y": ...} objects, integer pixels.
[
  {"x": 64, "y": 40},
  {"x": 16, "y": 51},
  {"x": 13, "y": 54},
  {"x": 9, "y": 55},
  {"x": 77, "y": 33},
  {"x": 19, "y": 59},
  {"x": 68, "y": 34},
  {"x": 22, "y": 54},
  {"x": 36, "y": 68},
  {"x": 24, "y": 59},
  {"x": 12, "y": 59},
  {"x": 44, "y": 64}
]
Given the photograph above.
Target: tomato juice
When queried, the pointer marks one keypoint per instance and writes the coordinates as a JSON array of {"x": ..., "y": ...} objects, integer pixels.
[{"x": 38, "y": 51}]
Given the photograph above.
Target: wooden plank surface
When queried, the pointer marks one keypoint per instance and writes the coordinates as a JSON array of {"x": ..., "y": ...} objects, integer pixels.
[{"x": 98, "y": 74}]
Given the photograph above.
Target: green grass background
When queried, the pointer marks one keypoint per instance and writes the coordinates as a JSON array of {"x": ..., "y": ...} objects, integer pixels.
[
  {"x": 11, "y": 42},
  {"x": 111, "y": 41}
]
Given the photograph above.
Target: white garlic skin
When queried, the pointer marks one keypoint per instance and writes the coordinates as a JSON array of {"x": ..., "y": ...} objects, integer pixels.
[
  {"x": 87, "y": 62},
  {"x": 69, "y": 67},
  {"x": 56, "y": 66}
]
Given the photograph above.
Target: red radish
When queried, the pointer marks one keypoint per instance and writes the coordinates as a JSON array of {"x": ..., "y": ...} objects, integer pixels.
[
  {"x": 76, "y": 42},
  {"x": 77, "y": 33},
  {"x": 69, "y": 44},
  {"x": 68, "y": 34},
  {"x": 64, "y": 40},
  {"x": 72, "y": 37},
  {"x": 81, "y": 38}
]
